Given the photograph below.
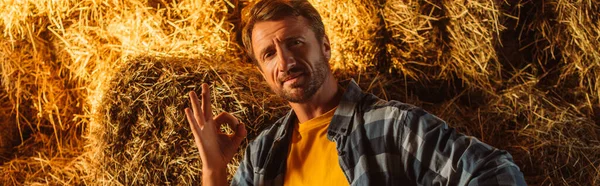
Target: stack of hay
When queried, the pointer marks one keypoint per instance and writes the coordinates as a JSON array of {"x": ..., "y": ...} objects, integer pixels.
[{"x": 94, "y": 91}]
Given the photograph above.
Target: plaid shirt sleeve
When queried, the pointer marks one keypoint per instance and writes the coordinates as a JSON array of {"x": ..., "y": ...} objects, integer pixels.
[{"x": 452, "y": 158}]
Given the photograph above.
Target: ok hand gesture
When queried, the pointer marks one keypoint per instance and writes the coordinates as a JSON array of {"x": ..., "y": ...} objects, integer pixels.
[{"x": 216, "y": 148}]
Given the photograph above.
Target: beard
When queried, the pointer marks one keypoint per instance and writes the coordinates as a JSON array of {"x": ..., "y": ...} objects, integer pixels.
[{"x": 302, "y": 92}]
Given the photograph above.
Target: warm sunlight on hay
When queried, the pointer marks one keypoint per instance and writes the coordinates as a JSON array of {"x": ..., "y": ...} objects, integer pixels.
[{"x": 352, "y": 27}]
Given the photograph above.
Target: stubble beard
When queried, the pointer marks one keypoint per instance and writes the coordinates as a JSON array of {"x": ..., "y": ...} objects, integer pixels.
[{"x": 309, "y": 88}]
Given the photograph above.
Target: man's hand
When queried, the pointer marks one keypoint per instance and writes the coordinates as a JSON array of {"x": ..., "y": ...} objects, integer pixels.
[{"x": 216, "y": 148}]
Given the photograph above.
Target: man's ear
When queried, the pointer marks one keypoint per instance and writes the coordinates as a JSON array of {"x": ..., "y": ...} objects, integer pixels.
[{"x": 326, "y": 47}]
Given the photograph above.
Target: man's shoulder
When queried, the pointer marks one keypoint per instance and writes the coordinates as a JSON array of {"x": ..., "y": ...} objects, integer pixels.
[
  {"x": 373, "y": 104},
  {"x": 365, "y": 101},
  {"x": 373, "y": 110}
]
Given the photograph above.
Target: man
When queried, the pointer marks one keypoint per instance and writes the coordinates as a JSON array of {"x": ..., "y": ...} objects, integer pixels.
[{"x": 334, "y": 134}]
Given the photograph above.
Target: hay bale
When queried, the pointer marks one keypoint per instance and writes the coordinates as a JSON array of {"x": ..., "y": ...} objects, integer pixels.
[
  {"x": 43, "y": 104},
  {"x": 556, "y": 142},
  {"x": 444, "y": 40},
  {"x": 473, "y": 33},
  {"x": 551, "y": 138},
  {"x": 43, "y": 108},
  {"x": 23, "y": 53},
  {"x": 572, "y": 31},
  {"x": 533, "y": 103},
  {"x": 567, "y": 42},
  {"x": 352, "y": 27},
  {"x": 143, "y": 137},
  {"x": 415, "y": 44},
  {"x": 555, "y": 91},
  {"x": 100, "y": 36}
]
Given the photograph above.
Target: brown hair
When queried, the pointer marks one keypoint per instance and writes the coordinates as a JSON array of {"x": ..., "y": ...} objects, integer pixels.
[{"x": 268, "y": 10}]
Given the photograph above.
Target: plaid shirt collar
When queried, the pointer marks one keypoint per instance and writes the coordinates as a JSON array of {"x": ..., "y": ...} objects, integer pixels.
[{"x": 339, "y": 125}]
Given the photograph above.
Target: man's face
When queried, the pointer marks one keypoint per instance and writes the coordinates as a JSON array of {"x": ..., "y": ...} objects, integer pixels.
[{"x": 291, "y": 59}]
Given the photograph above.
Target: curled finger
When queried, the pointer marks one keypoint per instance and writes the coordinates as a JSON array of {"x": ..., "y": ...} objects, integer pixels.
[{"x": 227, "y": 119}]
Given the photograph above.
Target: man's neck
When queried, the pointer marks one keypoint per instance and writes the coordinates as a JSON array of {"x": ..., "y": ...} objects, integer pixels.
[{"x": 326, "y": 98}]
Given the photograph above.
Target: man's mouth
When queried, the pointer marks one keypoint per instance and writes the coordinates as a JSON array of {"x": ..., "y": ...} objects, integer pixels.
[{"x": 292, "y": 78}]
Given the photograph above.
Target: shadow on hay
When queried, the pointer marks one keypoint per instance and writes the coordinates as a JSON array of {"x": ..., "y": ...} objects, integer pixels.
[
  {"x": 553, "y": 123},
  {"x": 9, "y": 133}
]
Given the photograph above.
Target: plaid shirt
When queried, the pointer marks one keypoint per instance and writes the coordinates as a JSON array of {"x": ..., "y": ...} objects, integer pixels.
[{"x": 385, "y": 143}]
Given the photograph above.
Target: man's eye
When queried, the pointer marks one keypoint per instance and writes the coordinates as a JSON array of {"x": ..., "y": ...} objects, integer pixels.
[
  {"x": 296, "y": 42},
  {"x": 268, "y": 55}
]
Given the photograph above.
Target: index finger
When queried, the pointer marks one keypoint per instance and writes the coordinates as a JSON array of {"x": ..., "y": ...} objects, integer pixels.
[{"x": 206, "y": 102}]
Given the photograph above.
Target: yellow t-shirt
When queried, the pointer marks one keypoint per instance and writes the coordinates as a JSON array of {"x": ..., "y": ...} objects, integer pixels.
[{"x": 312, "y": 158}]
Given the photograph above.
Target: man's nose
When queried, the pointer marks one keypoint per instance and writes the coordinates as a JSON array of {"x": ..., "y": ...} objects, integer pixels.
[{"x": 285, "y": 59}]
